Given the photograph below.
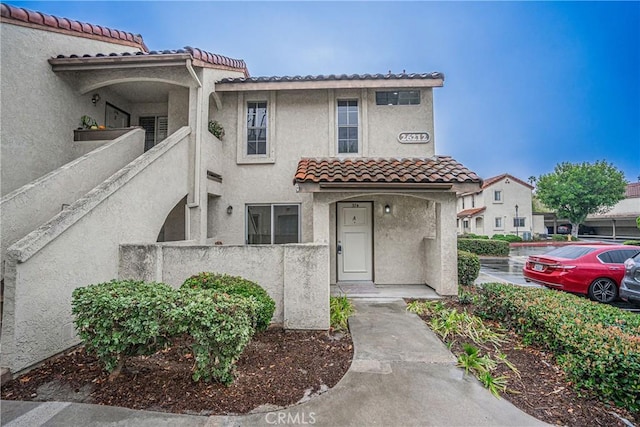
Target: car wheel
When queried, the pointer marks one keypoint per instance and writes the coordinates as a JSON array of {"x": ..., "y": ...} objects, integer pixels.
[{"x": 603, "y": 290}]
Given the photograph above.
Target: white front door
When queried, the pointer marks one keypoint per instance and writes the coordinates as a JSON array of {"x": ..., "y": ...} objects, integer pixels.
[{"x": 354, "y": 246}]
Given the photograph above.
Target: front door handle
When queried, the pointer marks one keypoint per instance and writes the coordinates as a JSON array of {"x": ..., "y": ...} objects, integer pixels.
[{"x": 339, "y": 248}]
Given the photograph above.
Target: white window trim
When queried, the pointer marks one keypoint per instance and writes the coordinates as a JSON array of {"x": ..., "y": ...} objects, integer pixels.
[
  {"x": 501, "y": 196},
  {"x": 272, "y": 206},
  {"x": 362, "y": 97},
  {"x": 501, "y": 227},
  {"x": 241, "y": 144}
]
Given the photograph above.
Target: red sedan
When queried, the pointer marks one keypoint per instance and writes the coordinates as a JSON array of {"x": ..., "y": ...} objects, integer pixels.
[{"x": 593, "y": 270}]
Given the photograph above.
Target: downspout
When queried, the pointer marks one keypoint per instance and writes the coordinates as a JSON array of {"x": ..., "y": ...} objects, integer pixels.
[{"x": 198, "y": 158}]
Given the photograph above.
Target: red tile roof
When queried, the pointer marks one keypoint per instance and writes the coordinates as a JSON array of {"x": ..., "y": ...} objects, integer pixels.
[
  {"x": 28, "y": 18},
  {"x": 205, "y": 57},
  {"x": 470, "y": 212},
  {"x": 284, "y": 79},
  {"x": 493, "y": 180},
  {"x": 438, "y": 169},
  {"x": 633, "y": 190}
]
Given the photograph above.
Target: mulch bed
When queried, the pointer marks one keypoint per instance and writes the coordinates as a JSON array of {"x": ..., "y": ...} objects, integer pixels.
[
  {"x": 277, "y": 368},
  {"x": 543, "y": 389}
]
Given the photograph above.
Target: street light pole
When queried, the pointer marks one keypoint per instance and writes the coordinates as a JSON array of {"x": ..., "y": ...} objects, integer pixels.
[{"x": 517, "y": 221}]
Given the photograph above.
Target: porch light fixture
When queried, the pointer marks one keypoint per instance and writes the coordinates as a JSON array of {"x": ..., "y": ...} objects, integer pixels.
[
  {"x": 95, "y": 98},
  {"x": 229, "y": 210},
  {"x": 387, "y": 209}
]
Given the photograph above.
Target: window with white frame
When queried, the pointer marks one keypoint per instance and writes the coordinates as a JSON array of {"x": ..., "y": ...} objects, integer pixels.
[
  {"x": 518, "y": 222},
  {"x": 498, "y": 222},
  {"x": 269, "y": 224},
  {"x": 473, "y": 201},
  {"x": 347, "y": 126},
  {"x": 398, "y": 97},
  {"x": 256, "y": 128},
  {"x": 497, "y": 196},
  {"x": 465, "y": 224}
]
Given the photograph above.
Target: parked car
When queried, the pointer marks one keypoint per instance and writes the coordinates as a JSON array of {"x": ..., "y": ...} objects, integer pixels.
[
  {"x": 582, "y": 229},
  {"x": 593, "y": 270},
  {"x": 630, "y": 286}
]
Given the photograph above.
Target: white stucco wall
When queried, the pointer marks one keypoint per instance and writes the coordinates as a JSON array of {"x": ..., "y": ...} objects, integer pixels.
[
  {"x": 39, "y": 117},
  {"x": 30, "y": 206},
  {"x": 80, "y": 246}
]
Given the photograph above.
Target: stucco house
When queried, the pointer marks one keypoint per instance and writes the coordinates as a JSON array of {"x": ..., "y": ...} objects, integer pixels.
[
  {"x": 501, "y": 206},
  {"x": 316, "y": 180}
]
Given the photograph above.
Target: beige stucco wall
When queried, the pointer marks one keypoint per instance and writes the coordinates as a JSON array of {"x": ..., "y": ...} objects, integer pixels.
[
  {"x": 30, "y": 206},
  {"x": 295, "y": 275},
  {"x": 49, "y": 107},
  {"x": 302, "y": 125},
  {"x": 80, "y": 246}
]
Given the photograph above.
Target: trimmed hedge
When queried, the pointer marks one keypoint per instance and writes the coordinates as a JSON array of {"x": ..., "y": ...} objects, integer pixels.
[
  {"x": 118, "y": 319},
  {"x": 631, "y": 242},
  {"x": 511, "y": 238},
  {"x": 234, "y": 285},
  {"x": 484, "y": 247},
  {"x": 468, "y": 267},
  {"x": 596, "y": 344},
  {"x": 472, "y": 236}
]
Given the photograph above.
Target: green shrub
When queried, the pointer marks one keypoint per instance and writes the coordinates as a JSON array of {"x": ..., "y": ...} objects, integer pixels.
[
  {"x": 340, "y": 309},
  {"x": 468, "y": 267},
  {"x": 559, "y": 237},
  {"x": 472, "y": 236},
  {"x": 511, "y": 238},
  {"x": 596, "y": 344},
  {"x": 119, "y": 319},
  {"x": 484, "y": 247},
  {"x": 631, "y": 242},
  {"x": 233, "y": 285},
  {"x": 221, "y": 325}
]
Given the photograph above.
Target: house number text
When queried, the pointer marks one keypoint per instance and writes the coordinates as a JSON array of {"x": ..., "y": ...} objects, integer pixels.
[{"x": 414, "y": 137}]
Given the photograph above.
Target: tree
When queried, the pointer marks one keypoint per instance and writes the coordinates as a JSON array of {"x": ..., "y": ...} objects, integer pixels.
[{"x": 577, "y": 190}]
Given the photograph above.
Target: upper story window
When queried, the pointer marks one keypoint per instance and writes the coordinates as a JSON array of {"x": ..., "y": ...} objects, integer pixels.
[
  {"x": 155, "y": 129},
  {"x": 518, "y": 222},
  {"x": 497, "y": 196},
  {"x": 347, "y": 126},
  {"x": 256, "y": 127},
  {"x": 473, "y": 201},
  {"x": 398, "y": 97}
]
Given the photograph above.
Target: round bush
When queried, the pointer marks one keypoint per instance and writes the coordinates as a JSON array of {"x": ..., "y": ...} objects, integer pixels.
[{"x": 234, "y": 285}]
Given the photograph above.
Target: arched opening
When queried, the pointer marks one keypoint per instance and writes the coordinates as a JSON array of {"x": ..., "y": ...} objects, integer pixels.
[{"x": 174, "y": 225}]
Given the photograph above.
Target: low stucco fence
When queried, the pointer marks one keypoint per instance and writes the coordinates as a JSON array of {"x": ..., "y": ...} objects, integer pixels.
[
  {"x": 296, "y": 276},
  {"x": 28, "y": 207}
]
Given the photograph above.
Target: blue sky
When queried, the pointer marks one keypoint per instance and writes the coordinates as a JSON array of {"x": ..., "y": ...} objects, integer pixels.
[{"x": 528, "y": 84}]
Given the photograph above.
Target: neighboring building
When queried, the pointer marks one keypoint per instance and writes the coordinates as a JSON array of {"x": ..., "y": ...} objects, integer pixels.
[
  {"x": 617, "y": 223},
  {"x": 502, "y": 206},
  {"x": 316, "y": 180}
]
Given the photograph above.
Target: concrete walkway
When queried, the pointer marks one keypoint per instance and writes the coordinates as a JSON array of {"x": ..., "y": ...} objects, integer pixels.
[{"x": 401, "y": 375}]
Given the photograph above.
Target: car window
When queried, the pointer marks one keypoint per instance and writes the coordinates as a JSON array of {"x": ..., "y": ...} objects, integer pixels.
[
  {"x": 616, "y": 257},
  {"x": 570, "y": 252},
  {"x": 606, "y": 257}
]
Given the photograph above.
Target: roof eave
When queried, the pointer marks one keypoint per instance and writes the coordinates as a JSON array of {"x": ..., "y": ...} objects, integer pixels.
[
  {"x": 133, "y": 61},
  {"x": 368, "y": 187},
  {"x": 328, "y": 84}
]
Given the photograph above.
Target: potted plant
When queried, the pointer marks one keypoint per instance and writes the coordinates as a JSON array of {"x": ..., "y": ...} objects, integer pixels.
[
  {"x": 88, "y": 122},
  {"x": 216, "y": 129}
]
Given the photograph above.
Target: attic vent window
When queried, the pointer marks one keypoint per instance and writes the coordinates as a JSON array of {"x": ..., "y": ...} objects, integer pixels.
[{"x": 398, "y": 97}]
